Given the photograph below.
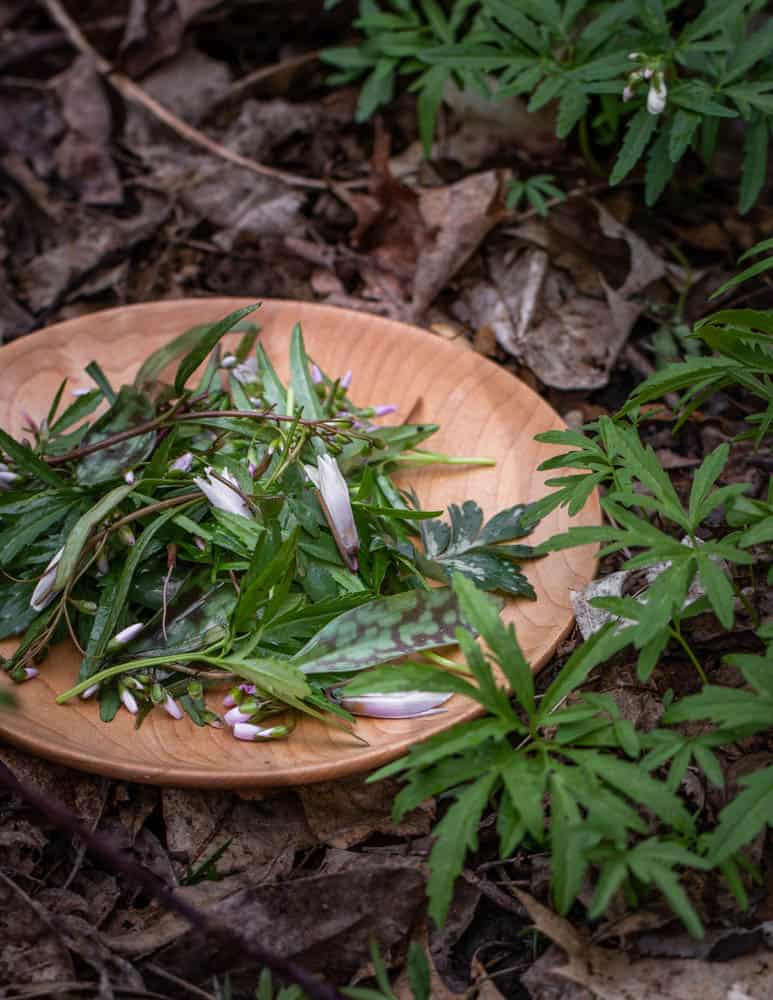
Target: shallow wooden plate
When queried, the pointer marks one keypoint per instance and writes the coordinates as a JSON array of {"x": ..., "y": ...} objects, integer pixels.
[{"x": 482, "y": 410}]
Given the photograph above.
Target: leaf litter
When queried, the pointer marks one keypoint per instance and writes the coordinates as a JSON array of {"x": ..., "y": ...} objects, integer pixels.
[{"x": 102, "y": 206}]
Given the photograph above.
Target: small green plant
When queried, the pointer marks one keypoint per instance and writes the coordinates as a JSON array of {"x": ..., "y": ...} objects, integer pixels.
[
  {"x": 534, "y": 191},
  {"x": 650, "y": 79},
  {"x": 566, "y": 773}
]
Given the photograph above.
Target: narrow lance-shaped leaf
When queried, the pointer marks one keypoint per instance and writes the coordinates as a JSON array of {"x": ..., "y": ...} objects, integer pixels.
[
  {"x": 83, "y": 528},
  {"x": 205, "y": 343}
]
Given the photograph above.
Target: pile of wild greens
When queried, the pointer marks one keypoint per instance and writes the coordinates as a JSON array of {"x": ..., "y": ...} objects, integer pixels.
[{"x": 235, "y": 532}]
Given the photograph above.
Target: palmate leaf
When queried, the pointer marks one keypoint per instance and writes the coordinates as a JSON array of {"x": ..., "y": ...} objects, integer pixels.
[
  {"x": 474, "y": 550},
  {"x": 383, "y": 630}
]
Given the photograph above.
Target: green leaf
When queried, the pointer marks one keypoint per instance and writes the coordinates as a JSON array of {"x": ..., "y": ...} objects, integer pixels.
[
  {"x": 27, "y": 460},
  {"x": 129, "y": 409},
  {"x": 382, "y": 630},
  {"x": 718, "y": 588},
  {"x": 465, "y": 549},
  {"x": 205, "y": 341},
  {"x": 755, "y": 163},
  {"x": 549, "y": 89},
  {"x": 454, "y": 835},
  {"x": 378, "y": 89},
  {"x": 418, "y": 972},
  {"x": 703, "y": 479},
  {"x": 638, "y": 134},
  {"x": 483, "y": 615},
  {"x": 430, "y": 96},
  {"x": 80, "y": 532},
  {"x": 568, "y": 864},
  {"x": 572, "y": 106},
  {"x": 743, "y": 818},
  {"x": 683, "y": 128},
  {"x": 303, "y": 387},
  {"x": 660, "y": 169},
  {"x": 600, "y": 647}
]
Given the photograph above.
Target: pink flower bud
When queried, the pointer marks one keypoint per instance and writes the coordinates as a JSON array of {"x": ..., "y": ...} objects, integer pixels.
[
  {"x": 384, "y": 409},
  {"x": 171, "y": 706},
  {"x": 235, "y": 716},
  {"x": 346, "y": 380},
  {"x": 316, "y": 375},
  {"x": 129, "y": 701}
]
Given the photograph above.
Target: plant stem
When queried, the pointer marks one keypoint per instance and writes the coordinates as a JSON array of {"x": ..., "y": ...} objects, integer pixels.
[
  {"x": 677, "y": 634},
  {"x": 419, "y": 457}
]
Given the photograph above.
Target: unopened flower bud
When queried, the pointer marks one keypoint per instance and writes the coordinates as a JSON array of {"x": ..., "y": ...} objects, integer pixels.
[
  {"x": 129, "y": 477},
  {"x": 126, "y": 535},
  {"x": 251, "y": 733},
  {"x": 183, "y": 463},
  {"x": 89, "y": 692},
  {"x": 172, "y": 708},
  {"x": 316, "y": 375},
  {"x": 124, "y": 636},
  {"x": 128, "y": 700},
  {"x": 346, "y": 380}
]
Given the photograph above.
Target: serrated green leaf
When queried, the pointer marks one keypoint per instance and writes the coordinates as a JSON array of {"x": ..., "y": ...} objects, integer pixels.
[
  {"x": 637, "y": 136},
  {"x": 455, "y": 834}
]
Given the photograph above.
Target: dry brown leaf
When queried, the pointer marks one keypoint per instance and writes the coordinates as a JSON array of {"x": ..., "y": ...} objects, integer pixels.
[
  {"x": 83, "y": 156},
  {"x": 346, "y": 812},
  {"x": 324, "y": 921},
  {"x": 458, "y": 218},
  {"x": 612, "y": 975}
]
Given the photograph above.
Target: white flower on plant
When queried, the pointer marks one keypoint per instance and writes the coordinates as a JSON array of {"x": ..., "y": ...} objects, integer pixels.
[
  {"x": 656, "y": 96},
  {"x": 316, "y": 374},
  {"x": 333, "y": 494},
  {"x": 223, "y": 492},
  {"x": 46, "y": 588},
  {"x": 89, "y": 692},
  {"x": 129, "y": 477},
  {"x": 627, "y": 92},
  {"x": 395, "y": 705},
  {"x": 346, "y": 380},
  {"x": 384, "y": 409}
]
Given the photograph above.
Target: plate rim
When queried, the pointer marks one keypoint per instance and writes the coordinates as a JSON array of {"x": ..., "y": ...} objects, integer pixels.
[{"x": 293, "y": 774}]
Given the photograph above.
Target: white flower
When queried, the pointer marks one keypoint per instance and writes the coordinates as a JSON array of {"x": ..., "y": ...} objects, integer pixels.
[
  {"x": 81, "y": 392},
  {"x": 346, "y": 380},
  {"x": 627, "y": 93},
  {"x": 236, "y": 715},
  {"x": 336, "y": 503},
  {"x": 223, "y": 495},
  {"x": 6, "y": 476},
  {"x": 89, "y": 692},
  {"x": 171, "y": 706},
  {"x": 383, "y": 409},
  {"x": 127, "y": 634},
  {"x": 129, "y": 701},
  {"x": 229, "y": 361},
  {"x": 656, "y": 96},
  {"x": 316, "y": 374},
  {"x": 183, "y": 463},
  {"x": 45, "y": 590},
  {"x": 245, "y": 731},
  {"x": 29, "y": 673},
  {"x": 129, "y": 477},
  {"x": 395, "y": 705}
]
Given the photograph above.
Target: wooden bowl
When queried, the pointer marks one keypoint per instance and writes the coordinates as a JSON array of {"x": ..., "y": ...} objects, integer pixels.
[{"x": 482, "y": 410}]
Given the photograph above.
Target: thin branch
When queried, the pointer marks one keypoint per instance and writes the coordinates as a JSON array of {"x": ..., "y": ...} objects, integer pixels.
[
  {"x": 230, "y": 937},
  {"x": 130, "y": 91},
  {"x": 239, "y": 87}
]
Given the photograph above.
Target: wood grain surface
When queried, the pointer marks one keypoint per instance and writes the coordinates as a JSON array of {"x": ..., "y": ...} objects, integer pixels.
[{"x": 482, "y": 410}]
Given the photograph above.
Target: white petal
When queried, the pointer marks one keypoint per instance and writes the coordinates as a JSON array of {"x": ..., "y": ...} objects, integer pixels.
[
  {"x": 395, "y": 705},
  {"x": 129, "y": 702},
  {"x": 173, "y": 708},
  {"x": 128, "y": 633},
  {"x": 235, "y": 716},
  {"x": 222, "y": 495},
  {"x": 44, "y": 592}
]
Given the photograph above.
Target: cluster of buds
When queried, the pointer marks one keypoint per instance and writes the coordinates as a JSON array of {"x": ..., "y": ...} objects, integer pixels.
[
  {"x": 650, "y": 70},
  {"x": 246, "y": 712}
]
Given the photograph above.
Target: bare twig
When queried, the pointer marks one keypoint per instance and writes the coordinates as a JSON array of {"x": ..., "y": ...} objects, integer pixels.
[
  {"x": 239, "y": 87},
  {"x": 130, "y": 91},
  {"x": 230, "y": 937}
]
